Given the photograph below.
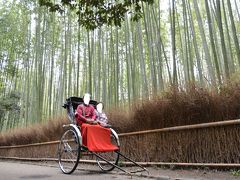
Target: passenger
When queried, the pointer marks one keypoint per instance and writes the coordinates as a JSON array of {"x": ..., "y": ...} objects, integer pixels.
[
  {"x": 85, "y": 112},
  {"x": 101, "y": 117}
]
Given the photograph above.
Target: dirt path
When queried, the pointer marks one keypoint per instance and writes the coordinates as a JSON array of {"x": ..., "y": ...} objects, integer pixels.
[{"x": 49, "y": 170}]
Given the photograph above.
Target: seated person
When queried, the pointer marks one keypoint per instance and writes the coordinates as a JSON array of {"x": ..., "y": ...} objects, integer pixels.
[
  {"x": 94, "y": 137},
  {"x": 85, "y": 112},
  {"x": 101, "y": 117}
]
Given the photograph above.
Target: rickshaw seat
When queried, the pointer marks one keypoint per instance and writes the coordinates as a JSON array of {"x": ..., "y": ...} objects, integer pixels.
[{"x": 97, "y": 138}]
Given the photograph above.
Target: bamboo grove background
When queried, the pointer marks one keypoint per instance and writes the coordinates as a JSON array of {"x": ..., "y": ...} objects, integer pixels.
[{"x": 46, "y": 57}]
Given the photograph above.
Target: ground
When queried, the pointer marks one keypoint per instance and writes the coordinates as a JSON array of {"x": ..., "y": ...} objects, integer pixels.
[{"x": 12, "y": 170}]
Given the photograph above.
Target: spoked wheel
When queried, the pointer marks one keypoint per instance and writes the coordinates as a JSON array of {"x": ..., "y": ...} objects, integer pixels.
[
  {"x": 111, "y": 156},
  {"x": 69, "y": 151}
]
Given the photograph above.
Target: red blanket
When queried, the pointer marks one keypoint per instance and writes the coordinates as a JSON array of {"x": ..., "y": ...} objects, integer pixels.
[{"x": 97, "y": 138}]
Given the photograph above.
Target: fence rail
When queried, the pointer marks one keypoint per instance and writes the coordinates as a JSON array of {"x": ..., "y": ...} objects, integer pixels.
[{"x": 187, "y": 127}]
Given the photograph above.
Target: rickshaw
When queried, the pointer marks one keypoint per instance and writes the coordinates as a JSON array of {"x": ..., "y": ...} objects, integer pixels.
[{"x": 71, "y": 147}]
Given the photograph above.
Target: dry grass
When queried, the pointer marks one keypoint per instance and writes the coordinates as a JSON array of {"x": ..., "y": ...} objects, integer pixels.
[
  {"x": 183, "y": 107},
  {"x": 173, "y": 108},
  {"x": 49, "y": 131},
  {"x": 120, "y": 119}
]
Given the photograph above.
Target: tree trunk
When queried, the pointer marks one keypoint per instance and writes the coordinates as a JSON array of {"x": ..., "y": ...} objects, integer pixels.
[
  {"x": 234, "y": 31},
  {"x": 204, "y": 44},
  {"x": 220, "y": 27}
]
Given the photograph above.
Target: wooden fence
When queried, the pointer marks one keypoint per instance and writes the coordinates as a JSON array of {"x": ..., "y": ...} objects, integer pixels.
[{"x": 214, "y": 144}]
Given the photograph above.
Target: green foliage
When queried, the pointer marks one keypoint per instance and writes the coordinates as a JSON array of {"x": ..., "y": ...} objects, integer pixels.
[
  {"x": 9, "y": 104},
  {"x": 95, "y": 13},
  {"x": 235, "y": 173}
]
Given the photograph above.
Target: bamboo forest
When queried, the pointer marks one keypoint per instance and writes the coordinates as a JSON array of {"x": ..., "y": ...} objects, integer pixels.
[{"x": 48, "y": 55}]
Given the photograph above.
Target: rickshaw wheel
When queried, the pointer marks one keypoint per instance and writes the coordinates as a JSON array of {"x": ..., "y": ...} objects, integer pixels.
[
  {"x": 69, "y": 151},
  {"x": 111, "y": 156}
]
